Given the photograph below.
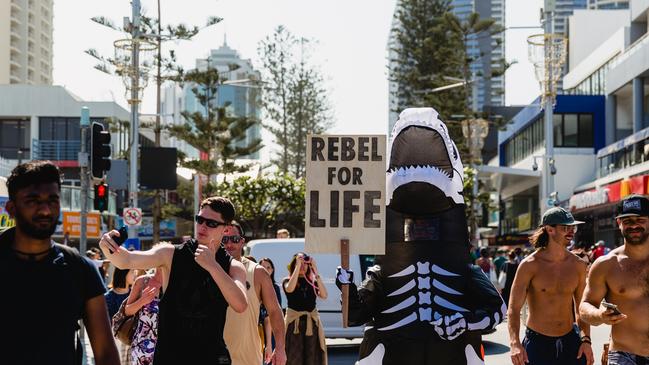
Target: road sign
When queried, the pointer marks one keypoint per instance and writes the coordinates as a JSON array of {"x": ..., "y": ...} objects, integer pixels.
[
  {"x": 72, "y": 224},
  {"x": 132, "y": 216},
  {"x": 345, "y": 193}
]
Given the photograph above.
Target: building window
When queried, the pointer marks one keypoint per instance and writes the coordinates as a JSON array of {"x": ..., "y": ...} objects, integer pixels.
[
  {"x": 573, "y": 130},
  {"x": 569, "y": 130},
  {"x": 14, "y": 139},
  {"x": 59, "y": 129}
]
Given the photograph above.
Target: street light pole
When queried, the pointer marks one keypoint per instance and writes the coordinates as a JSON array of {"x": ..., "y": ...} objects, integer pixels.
[
  {"x": 135, "y": 33},
  {"x": 548, "y": 106}
]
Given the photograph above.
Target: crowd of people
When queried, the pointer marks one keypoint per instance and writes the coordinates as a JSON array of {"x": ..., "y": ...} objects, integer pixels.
[{"x": 202, "y": 301}]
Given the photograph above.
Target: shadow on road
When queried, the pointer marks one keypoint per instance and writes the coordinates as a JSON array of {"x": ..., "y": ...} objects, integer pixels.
[{"x": 493, "y": 348}]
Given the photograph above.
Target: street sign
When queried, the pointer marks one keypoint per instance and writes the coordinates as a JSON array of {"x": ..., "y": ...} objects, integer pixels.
[
  {"x": 132, "y": 216},
  {"x": 345, "y": 193},
  {"x": 72, "y": 224}
]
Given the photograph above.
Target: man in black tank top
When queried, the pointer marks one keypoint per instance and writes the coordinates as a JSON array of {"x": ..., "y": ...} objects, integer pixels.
[{"x": 200, "y": 280}]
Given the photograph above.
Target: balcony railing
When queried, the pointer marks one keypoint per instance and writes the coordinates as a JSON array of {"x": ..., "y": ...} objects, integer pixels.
[{"x": 60, "y": 150}]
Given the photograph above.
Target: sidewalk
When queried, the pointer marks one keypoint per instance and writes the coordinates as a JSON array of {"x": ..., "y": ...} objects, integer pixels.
[{"x": 497, "y": 344}]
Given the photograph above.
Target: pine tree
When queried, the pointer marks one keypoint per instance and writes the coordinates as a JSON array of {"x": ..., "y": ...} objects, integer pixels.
[
  {"x": 428, "y": 52},
  {"x": 295, "y": 99},
  {"x": 217, "y": 132}
]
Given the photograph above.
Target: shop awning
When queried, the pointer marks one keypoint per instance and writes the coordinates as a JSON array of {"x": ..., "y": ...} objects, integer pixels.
[{"x": 502, "y": 178}]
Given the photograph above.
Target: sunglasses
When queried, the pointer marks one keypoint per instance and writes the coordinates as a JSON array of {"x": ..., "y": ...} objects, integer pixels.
[
  {"x": 208, "y": 222},
  {"x": 233, "y": 239}
]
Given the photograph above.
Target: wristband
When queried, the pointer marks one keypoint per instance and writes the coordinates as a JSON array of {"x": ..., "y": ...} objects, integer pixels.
[{"x": 585, "y": 339}]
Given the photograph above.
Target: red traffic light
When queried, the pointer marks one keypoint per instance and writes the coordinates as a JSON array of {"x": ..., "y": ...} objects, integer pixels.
[{"x": 101, "y": 190}]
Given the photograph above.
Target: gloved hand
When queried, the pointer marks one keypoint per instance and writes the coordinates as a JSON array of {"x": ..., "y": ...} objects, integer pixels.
[
  {"x": 449, "y": 327},
  {"x": 343, "y": 276}
]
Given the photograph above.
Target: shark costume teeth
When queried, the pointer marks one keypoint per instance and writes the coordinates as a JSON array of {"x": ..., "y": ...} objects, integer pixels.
[{"x": 428, "y": 174}]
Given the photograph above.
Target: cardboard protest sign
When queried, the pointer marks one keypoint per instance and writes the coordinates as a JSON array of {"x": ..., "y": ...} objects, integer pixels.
[{"x": 345, "y": 193}]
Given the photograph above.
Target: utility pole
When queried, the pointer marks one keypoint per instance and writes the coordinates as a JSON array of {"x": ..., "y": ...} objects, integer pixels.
[
  {"x": 548, "y": 106},
  {"x": 84, "y": 177},
  {"x": 156, "y": 199},
  {"x": 135, "y": 79}
]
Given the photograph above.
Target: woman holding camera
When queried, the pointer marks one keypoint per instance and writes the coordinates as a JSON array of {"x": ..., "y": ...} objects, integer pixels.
[{"x": 304, "y": 343}]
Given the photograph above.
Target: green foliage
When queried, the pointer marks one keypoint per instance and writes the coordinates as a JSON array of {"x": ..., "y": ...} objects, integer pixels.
[
  {"x": 428, "y": 51},
  {"x": 216, "y": 132},
  {"x": 295, "y": 100},
  {"x": 266, "y": 204}
]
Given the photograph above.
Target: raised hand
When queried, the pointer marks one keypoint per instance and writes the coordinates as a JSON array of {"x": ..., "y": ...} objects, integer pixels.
[
  {"x": 344, "y": 276},
  {"x": 108, "y": 244},
  {"x": 148, "y": 294},
  {"x": 205, "y": 255}
]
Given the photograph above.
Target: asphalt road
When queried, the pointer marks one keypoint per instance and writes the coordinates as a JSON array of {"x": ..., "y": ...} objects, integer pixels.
[{"x": 345, "y": 352}]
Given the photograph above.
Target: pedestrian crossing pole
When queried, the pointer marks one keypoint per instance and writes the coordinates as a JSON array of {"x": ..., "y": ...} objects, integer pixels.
[{"x": 85, "y": 184}]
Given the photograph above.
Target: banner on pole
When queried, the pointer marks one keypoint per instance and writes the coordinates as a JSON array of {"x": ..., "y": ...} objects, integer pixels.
[{"x": 345, "y": 193}]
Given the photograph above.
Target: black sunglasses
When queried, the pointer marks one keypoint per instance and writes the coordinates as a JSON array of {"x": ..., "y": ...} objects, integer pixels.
[
  {"x": 233, "y": 239},
  {"x": 208, "y": 222}
]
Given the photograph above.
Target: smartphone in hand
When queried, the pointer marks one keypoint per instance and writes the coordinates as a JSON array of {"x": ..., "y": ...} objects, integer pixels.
[
  {"x": 611, "y": 306},
  {"x": 123, "y": 235}
]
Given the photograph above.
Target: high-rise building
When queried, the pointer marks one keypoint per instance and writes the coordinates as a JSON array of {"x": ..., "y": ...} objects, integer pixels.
[
  {"x": 487, "y": 51},
  {"x": 239, "y": 93},
  {"x": 608, "y": 4},
  {"x": 26, "y": 42}
]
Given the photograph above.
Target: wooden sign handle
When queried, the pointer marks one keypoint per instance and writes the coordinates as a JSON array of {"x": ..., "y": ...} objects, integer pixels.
[{"x": 344, "y": 262}]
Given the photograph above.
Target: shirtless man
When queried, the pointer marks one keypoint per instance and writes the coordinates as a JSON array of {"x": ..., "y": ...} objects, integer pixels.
[
  {"x": 553, "y": 280},
  {"x": 622, "y": 278}
]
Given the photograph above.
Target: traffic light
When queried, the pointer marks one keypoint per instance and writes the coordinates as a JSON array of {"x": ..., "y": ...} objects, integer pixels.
[
  {"x": 101, "y": 197},
  {"x": 99, "y": 151}
]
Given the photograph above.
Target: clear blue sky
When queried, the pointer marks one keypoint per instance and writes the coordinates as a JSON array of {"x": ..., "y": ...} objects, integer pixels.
[{"x": 351, "y": 52}]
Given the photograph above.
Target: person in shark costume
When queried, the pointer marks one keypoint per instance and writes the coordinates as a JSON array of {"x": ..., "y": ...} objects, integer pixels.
[{"x": 424, "y": 302}]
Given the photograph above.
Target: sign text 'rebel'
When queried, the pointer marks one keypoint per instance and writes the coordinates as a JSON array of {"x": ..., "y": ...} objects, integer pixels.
[{"x": 345, "y": 193}]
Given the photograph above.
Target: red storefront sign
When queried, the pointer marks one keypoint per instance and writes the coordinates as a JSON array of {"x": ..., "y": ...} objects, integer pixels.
[{"x": 610, "y": 193}]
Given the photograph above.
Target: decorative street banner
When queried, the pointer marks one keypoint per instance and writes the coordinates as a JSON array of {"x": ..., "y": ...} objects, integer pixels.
[
  {"x": 345, "y": 193},
  {"x": 5, "y": 220},
  {"x": 72, "y": 224}
]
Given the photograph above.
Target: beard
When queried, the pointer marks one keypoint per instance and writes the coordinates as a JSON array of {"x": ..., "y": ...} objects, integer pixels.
[
  {"x": 34, "y": 231},
  {"x": 637, "y": 240}
]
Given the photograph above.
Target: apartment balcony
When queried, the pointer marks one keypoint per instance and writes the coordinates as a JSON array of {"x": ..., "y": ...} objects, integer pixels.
[
  {"x": 64, "y": 152},
  {"x": 15, "y": 7},
  {"x": 634, "y": 62}
]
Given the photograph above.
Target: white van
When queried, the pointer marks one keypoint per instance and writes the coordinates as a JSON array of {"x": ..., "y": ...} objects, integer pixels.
[{"x": 281, "y": 251}]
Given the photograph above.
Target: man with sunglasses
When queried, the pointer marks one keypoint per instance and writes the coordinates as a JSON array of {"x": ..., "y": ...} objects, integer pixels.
[
  {"x": 622, "y": 279},
  {"x": 552, "y": 280},
  {"x": 199, "y": 281},
  {"x": 241, "y": 333}
]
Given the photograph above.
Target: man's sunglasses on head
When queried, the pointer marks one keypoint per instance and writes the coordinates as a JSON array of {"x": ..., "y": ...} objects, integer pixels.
[
  {"x": 208, "y": 222},
  {"x": 233, "y": 239}
]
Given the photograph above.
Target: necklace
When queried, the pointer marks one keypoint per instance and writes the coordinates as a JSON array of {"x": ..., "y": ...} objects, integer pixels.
[{"x": 32, "y": 256}]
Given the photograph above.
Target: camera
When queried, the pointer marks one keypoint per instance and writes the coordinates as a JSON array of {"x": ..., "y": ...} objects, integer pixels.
[{"x": 306, "y": 258}]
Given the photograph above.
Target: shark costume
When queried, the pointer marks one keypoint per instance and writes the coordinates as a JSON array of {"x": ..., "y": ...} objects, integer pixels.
[{"x": 424, "y": 302}]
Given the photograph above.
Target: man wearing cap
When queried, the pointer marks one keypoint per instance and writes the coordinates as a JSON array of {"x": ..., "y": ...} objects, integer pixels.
[
  {"x": 552, "y": 281},
  {"x": 622, "y": 278}
]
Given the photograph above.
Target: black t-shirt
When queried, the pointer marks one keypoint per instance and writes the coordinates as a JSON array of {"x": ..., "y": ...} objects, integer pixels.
[
  {"x": 192, "y": 312},
  {"x": 42, "y": 303},
  {"x": 302, "y": 298}
]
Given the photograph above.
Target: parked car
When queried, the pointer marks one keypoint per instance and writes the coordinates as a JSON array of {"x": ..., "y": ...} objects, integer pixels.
[{"x": 280, "y": 251}]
